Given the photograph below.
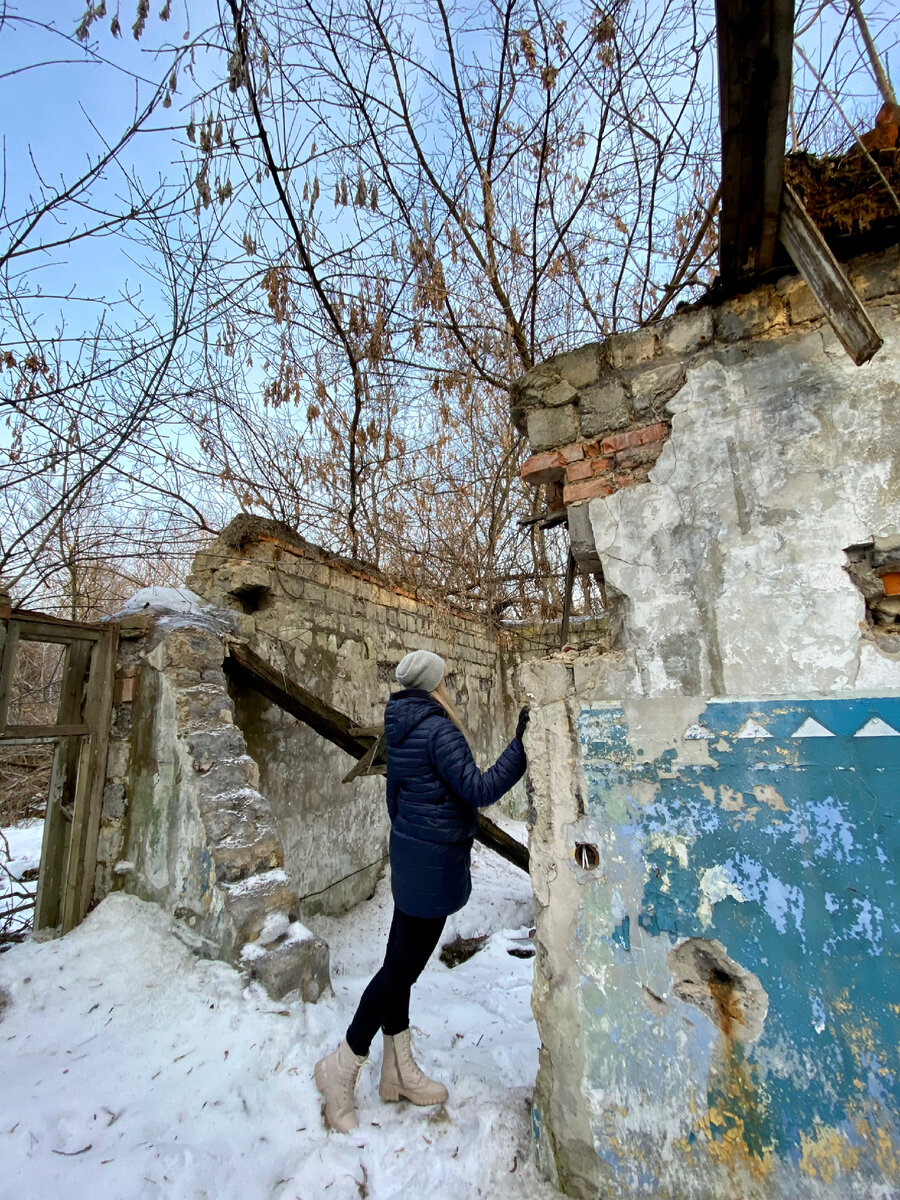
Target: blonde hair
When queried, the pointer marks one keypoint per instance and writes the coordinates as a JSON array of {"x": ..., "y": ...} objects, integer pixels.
[{"x": 442, "y": 696}]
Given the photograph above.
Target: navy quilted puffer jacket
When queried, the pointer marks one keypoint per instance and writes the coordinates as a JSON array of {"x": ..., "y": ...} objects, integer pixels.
[{"x": 434, "y": 791}]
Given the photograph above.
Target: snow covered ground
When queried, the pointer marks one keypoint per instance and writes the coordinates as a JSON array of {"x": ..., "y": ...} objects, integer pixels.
[
  {"x": 129, "y": 1068},
  {"x": 23, "y": 843}
]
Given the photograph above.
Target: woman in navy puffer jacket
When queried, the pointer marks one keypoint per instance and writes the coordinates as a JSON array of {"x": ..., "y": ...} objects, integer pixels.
[{"x": 434, "y": 792}]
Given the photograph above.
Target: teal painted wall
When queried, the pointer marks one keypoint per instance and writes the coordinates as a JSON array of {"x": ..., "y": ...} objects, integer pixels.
[{"x": 782, "y": 846}]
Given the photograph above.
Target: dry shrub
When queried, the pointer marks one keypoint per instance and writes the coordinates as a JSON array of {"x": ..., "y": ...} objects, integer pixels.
[{"x": 24, "y": 782}]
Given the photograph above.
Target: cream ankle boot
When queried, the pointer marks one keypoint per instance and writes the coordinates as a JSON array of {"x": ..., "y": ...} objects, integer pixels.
[
  {"x": 336, "y": 1076},
  {"x": 402, "y": 1077}
]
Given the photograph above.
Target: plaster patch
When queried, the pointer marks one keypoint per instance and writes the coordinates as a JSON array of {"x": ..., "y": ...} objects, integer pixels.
[
  {"x": 670, "y": 844},
  {"x": 716, "y": 884},
  {"x": 731, "y": 800},
  {"x": 643, "y": 791},
  {"x": 767, "y": 794},
  {"x": 656, "y": 1004},
  {"x": 696, "y": 733}
]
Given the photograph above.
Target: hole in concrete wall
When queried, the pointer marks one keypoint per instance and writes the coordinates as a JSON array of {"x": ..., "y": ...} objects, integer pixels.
[
  {"x": 732, "y": 998},
  {"x": 252, "y": 598},
  {"x": 587, "y": 856},
  {"x": 875, "y": 569}
]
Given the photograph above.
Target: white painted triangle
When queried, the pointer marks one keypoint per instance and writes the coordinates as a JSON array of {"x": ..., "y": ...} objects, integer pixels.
[
  {"x": 751, "y": 729},
  {"x": 697, "y": 733},
  {"x": 812, "y": 728},
  {"x": 875, "y": 727}
]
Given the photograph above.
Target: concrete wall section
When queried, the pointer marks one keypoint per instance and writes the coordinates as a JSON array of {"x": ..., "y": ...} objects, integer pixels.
[
  {"x": 714, "y": 846},
  {"x": 334, "y": 834},
  {"x": 732, "y": 556}
]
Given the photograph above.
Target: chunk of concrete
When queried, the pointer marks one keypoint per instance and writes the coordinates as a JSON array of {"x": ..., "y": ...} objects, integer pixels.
[{"x": 299, "y": 963}]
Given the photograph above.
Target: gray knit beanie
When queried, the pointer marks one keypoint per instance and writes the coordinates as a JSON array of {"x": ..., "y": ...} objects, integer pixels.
[{"x": 420, "y": 669}]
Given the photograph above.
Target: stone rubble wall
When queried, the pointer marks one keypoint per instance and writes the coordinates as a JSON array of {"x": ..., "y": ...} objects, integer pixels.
[
  {"x": 598, "y": 418},
  {"x": 184, "y": 823},
  {"x": 340, "y": 629},
  {"x": 719, "y": 782}
]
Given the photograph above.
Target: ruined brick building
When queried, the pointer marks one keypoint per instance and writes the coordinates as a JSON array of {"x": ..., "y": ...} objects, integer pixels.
[{"x": 714, "y": 770}]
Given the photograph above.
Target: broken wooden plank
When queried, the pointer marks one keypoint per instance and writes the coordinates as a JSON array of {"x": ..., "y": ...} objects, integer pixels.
[
  {"x": 245, "y": 665},
  {"x": 827, "y": 280},
  {"x": 367, "y": 764},
  {"x": 571, "y": 566},
  {"x": 502, "y": 843},
  {"x": 73, "y": 866},
  {"x": 755, "y": 47},
  {"x": 8, "y": 669},
  {"x": 65, "y": 782},
  {"x": 98, "y": 710}
]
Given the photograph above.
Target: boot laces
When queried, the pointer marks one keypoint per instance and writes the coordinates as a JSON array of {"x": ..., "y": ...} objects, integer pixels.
[
  {"x": 408, "y": 1058},
  {"x": 349, "y": 1082}
]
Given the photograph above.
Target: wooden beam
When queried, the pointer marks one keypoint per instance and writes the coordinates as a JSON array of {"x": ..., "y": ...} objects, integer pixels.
[
  {"x": 45, "y": 623},
  {"x": 827, "y": 280},
  {"x": 21, "y": 733},
  {"x": 501, "y": 843},
  {"x": 244, "y": 665},
  {"x": 755, "y": 47}
]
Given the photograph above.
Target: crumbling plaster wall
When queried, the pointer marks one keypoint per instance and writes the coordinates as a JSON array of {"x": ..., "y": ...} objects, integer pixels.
[
  {"x": 729, "y": 769},
  {"x": 184, "y": 823},
  {"x": 339, "y": 629}
]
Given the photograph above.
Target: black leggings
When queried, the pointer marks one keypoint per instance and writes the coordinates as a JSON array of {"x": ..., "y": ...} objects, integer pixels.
[{"x": 385, "y": 1002}]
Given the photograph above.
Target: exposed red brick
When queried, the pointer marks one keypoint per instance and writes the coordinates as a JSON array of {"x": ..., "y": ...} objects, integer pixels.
[
  {"x": 592, "y": 449},
  {"x": 587, "y": 489},
  {"x": 658, "y": 432},
  {"x": 571, "y": 453},
  {"x": 626, "y": 479},
  {"x": 587, "y": 468},
  {"x": 543, "y": 468}
]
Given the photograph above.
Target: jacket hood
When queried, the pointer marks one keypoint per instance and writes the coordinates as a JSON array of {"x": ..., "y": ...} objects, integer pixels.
[{"x": 407, "y": 709}]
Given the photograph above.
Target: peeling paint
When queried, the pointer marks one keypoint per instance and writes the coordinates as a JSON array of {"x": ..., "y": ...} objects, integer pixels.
[{"x": 797, "y": 891}]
